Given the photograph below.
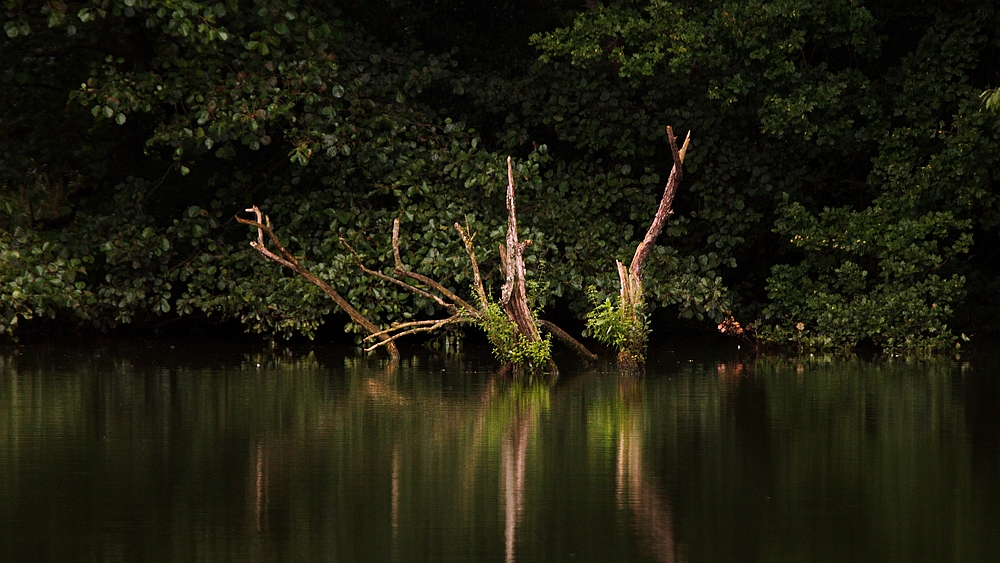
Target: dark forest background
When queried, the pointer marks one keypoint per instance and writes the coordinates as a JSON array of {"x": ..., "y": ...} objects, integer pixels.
[{"x": 839, "y": 189}]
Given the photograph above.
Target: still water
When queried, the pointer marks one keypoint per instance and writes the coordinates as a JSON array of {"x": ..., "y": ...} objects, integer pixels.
[{"x": 210, "y": 454}]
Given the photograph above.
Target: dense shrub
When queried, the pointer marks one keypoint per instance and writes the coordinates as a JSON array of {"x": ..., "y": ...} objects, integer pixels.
[{"x": 840, "y": 174}]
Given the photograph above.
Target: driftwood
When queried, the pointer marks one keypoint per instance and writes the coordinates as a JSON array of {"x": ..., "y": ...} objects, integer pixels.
[{"x": 287, "y": 259}]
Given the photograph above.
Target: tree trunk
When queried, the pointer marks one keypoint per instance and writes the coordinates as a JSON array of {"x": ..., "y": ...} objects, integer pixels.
[
  {"x": 513, "y": 293},
  {"x": 633, "y": 300}
]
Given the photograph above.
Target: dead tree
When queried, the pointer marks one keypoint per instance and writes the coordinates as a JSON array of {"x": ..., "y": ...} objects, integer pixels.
[
  {"x": 287, "y": 259},
  {"x": 513, "y": 293},
  {"x": 630, "y": 315},
  {"x": 518, "y": 330}
]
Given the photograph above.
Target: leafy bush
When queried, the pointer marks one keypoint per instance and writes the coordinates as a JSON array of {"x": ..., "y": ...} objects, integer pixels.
[
  {"x": 509, "y": 346},
  {"x": 815, "y": 124},
  {"x": 38, "y": 279},
  {"x": 620, "y": 325}
]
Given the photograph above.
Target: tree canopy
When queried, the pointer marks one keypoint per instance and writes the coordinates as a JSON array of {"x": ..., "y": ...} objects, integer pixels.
[{"x": 839, "y": 188}]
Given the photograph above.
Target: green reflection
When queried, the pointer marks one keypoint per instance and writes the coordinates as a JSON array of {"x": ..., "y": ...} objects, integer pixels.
[{"x": 248, "y": 455}]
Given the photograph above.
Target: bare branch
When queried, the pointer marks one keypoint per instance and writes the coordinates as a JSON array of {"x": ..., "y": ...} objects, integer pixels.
[
  {"x": 568, "y": 340},
  {"x": 411, "y": 288},
  {"x": 407, "y": 326},
  {"x": 289, "y": 261},
  {"x": 259, "y": 244},
  {"x": 436, "y": 325},
  {"x": 395, "y": 245},
  {"x": 402, "y": 271},
  {"x": 665, "y": 209},
  {"x": 467, "y": 237}
]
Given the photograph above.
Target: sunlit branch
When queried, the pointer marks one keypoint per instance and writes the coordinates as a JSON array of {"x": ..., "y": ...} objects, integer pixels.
[
  {"x": 263, "y": 226},
  {"x": 400, "y": 270},
  {"x": 429, "y": 327}
]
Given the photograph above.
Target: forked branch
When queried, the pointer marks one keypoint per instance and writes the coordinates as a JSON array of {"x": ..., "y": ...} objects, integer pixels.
[
  {"x": 628, "y": 319},
  {"x": 287, "y": 259},
  {"x": 665, "y": 210},
  {"x": 514, "y": 302},
  {"x": 460, "y": 310}
]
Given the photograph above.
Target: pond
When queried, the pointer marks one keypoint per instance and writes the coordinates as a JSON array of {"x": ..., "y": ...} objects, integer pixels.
[{"x": 152, "y": 452}]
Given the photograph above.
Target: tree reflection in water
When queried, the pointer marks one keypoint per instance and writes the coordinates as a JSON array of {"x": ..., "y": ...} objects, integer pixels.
[
  {"x": 501, "y": 424},
  {"x": 513, "y": 459},
  {"x": 279, "y": 456},
  {"x": 635, "y": 490},
  {"x": 261, "y": 485}
]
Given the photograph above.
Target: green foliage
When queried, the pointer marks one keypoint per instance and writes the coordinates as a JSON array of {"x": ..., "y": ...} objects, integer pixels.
[
  {"x": 37, "y": 279},
  {"x": 785, "y": 109},
  {"x": 866, "y": 275},
  {"x": 510, "y": 346},
  {"x": 889, "y": 272},
  {"x": 172, "y": 116},
  {"x": 624, "y": 326},
  {"x": 991, "y": 99},
  {"x": 732, "y": 73}
]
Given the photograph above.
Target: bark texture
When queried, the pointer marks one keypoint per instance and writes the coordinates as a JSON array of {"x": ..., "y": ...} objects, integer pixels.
[
  {"x": 633, "y": 301},
  {"x": 513, "y": 293}
]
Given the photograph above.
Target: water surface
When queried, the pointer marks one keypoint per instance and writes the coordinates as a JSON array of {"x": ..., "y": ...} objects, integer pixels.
[{"x": 154, "y": 453}]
